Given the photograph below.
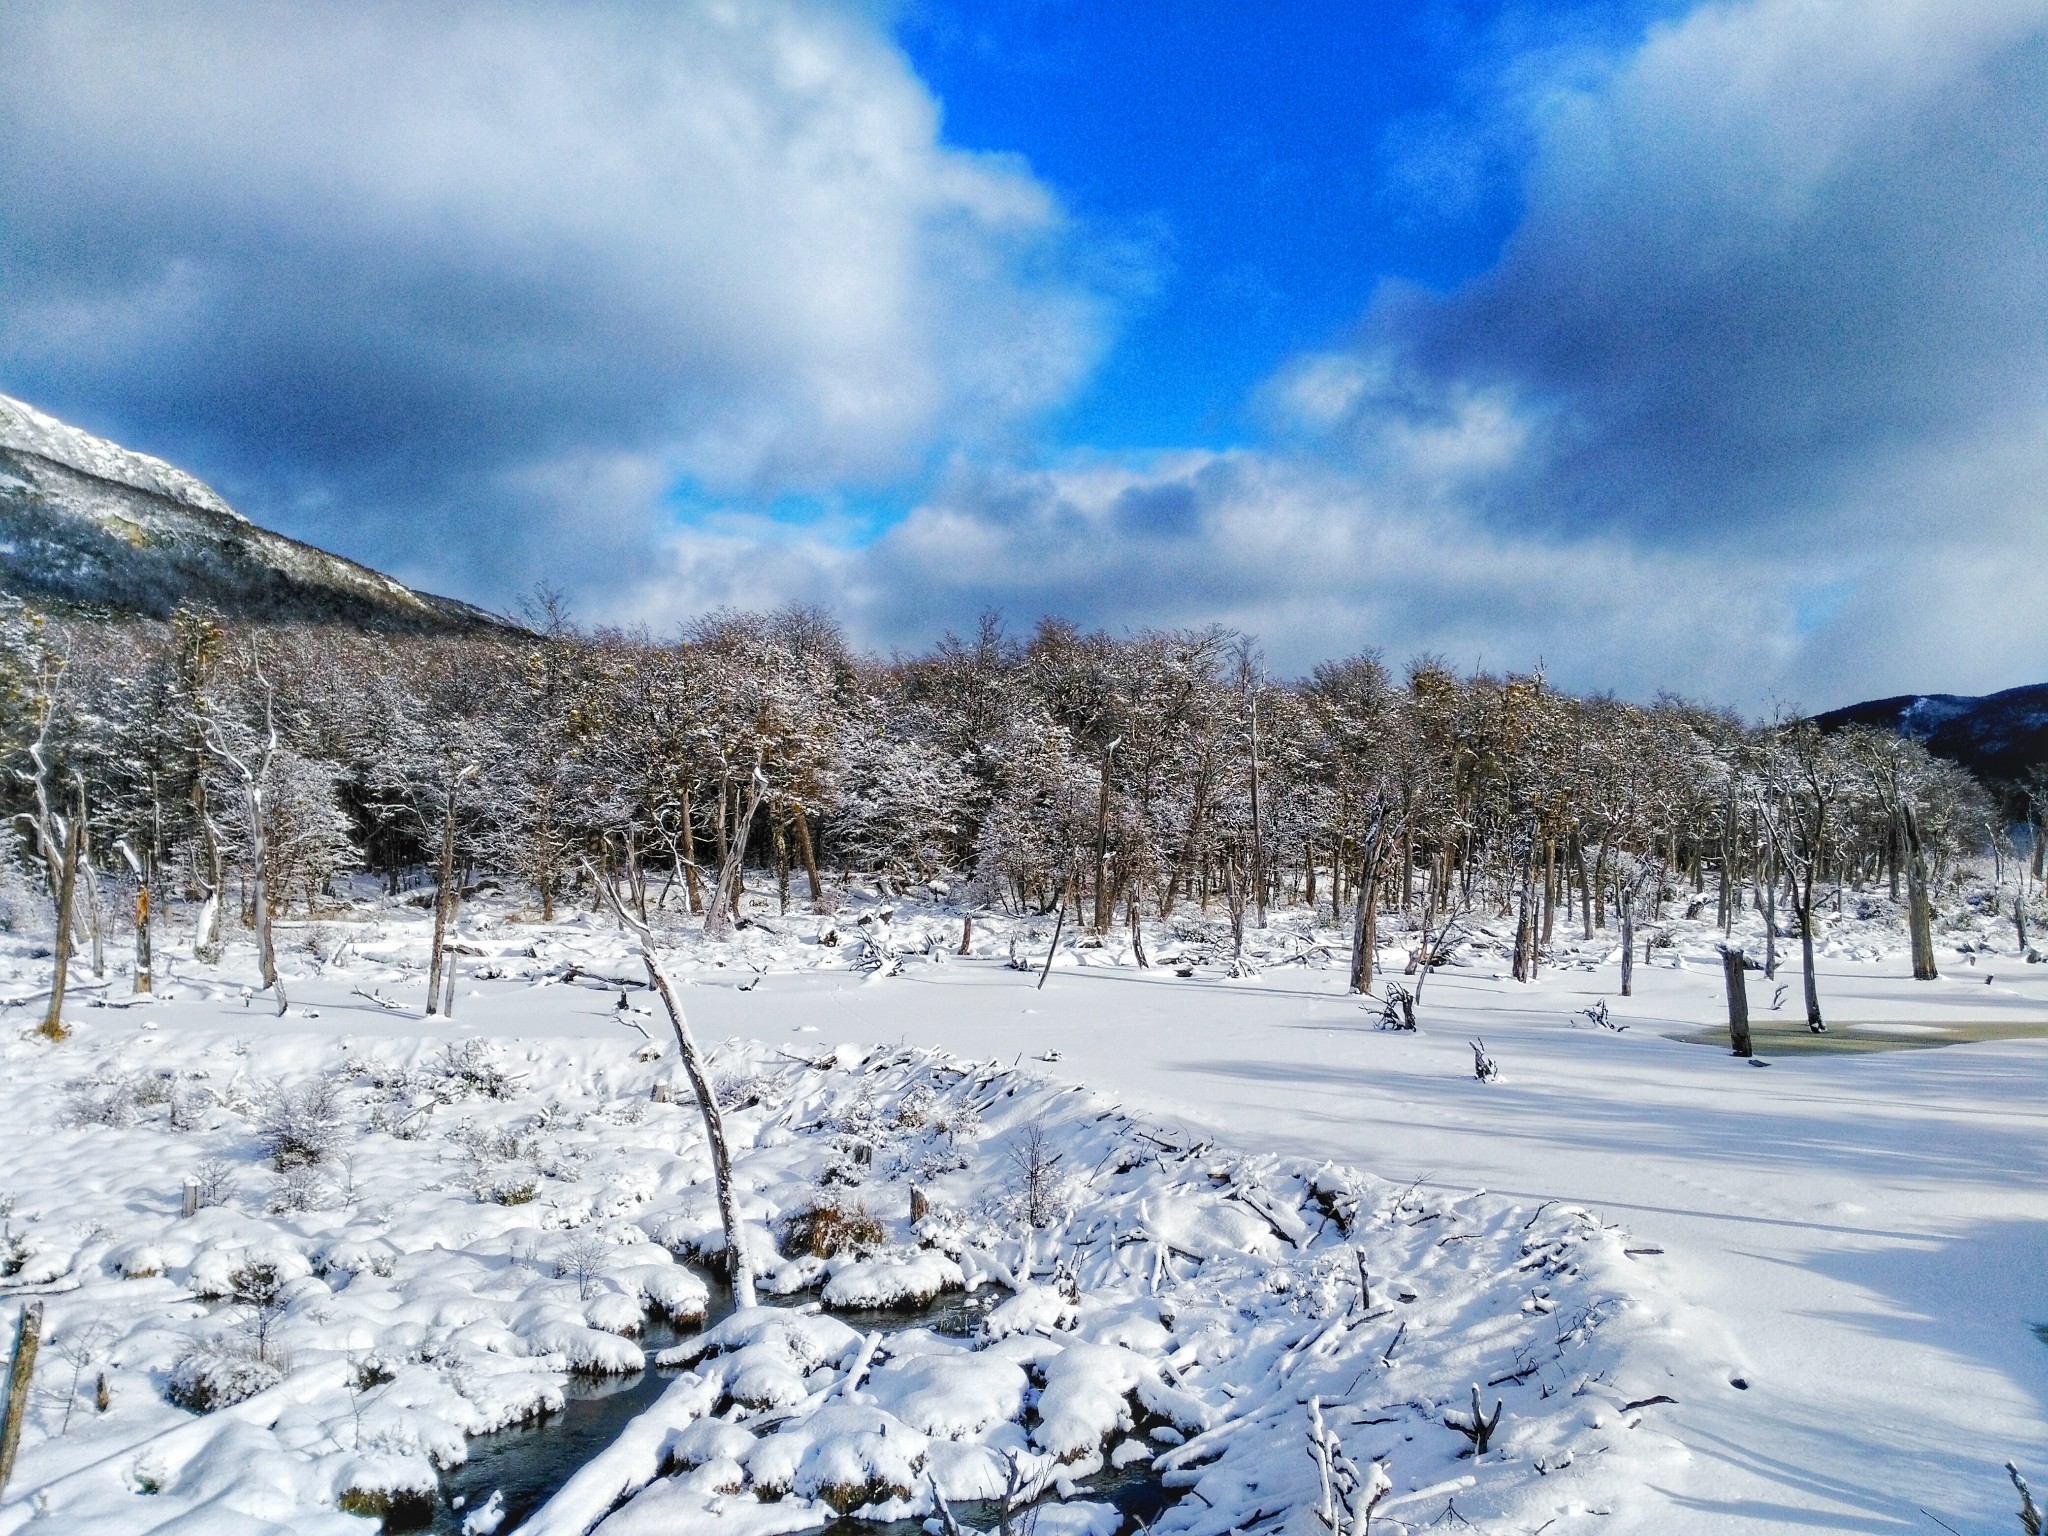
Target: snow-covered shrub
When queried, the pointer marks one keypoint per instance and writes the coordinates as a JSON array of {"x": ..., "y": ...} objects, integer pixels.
[
  {"x": 936, "y": 1164},
  {"x": 914, "y": 1110},
  {"x": 15, "y": 1251},
  {"x": 23, "y": 909},
  {"x": 219, "y": 1372},
  {"x": 1041, "y": 1186},
  {"x": 301, "y": 1127},
  {"x": 961, "y": 1123},
  {"x": 399, "y": 1509},
  {"x": 469, "y": 1068},
  {"x": 584, "y": 1259},
  {"x": 740, "y": 1090},
  {"x": 300, "y": 1188},
  {"x": 258, "y": 1286},
  {"x": 103, "y": 1101},
  {"x": 508, "y": 1187},
  {"x": 216, "y": 1177},
  {"x": 827, "y": 1228}
]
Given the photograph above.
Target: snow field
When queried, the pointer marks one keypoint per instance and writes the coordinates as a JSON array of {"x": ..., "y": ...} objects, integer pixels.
[{"x": 1196, "y": 1287}]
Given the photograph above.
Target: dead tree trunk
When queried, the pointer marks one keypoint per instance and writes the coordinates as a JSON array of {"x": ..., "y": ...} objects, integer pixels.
[
  {"x": 1732, "y": 968},
  {"x": 718, "y": 921},
  {"x": 1525, "y": 916},
  {"x": 1053, "y": 949},
  {"x": 1920, "y": 912},
  {"x": 1258, "y": 869},
  {"x": 259, "y": 855},
  {"x": 1724, "y": 899},
  {"x": 1102, "y": 907},
  {"x": 780, "y": 844},
  {"x": 255, "y": 785},
  {"x": 636, "y": 879},
  {"x": 19, "y": 1375},
  {"x": 690, "y": 857},
  {"x": 206, "y": 939},
  {"x": 444, "y": 895},
  {"x": 809, "y": 852},
  {"x": 1813, "y": 1018},
  {"x": 1365, "y": 922},
  {"x": 144, "y": 975},
  {"x": 739, "y": 1268},
  {"x": 95, "y": 930},
  {"x": 1625, "y": 901},
  {"x": 67, "y": 883}
]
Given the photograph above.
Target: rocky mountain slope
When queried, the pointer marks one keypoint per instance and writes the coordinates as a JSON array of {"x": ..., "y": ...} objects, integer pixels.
[
  {"x": 85, "y": 521},
  {"x": 2000, "y": 737}
]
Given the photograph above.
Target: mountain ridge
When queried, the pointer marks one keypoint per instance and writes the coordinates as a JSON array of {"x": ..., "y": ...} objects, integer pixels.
[
  {"x": 1997, "y": 736},
  {"x": 87, "y": 522}
]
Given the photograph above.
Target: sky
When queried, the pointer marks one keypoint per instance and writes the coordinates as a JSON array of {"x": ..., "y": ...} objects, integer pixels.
[{"x": 1660, "y": 345}]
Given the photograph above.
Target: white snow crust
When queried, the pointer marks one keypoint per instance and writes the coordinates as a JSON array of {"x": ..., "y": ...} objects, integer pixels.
[{"x": 1710, "y": 1297}]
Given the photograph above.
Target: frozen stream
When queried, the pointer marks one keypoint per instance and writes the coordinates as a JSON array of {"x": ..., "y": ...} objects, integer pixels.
[{"x": 526, "y": 1464}]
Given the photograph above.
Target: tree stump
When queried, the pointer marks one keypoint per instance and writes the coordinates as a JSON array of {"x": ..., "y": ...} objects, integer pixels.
[{"x": 1738, "y": 1001}]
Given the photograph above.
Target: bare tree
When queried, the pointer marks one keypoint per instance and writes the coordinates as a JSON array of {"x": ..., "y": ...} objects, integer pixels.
[
  {"x": 739, "y": 1268},
  {"x": 252, "y": 768}
]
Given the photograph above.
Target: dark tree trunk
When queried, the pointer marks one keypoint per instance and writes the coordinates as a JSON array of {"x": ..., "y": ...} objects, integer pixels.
[
  {"x": 810, "y": 857},
  {"x": 1738, "y": 1001},
  {"x": 60, "y": 972}
]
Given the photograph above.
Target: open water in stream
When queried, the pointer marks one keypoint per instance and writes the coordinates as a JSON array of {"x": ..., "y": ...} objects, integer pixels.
[{"x": 526, "y": 1463}]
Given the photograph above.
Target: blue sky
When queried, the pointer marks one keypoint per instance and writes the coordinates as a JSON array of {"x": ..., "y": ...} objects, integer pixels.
[
  {"x": 1255, "y": 167},
  {"x": 1660, "y": 344}
]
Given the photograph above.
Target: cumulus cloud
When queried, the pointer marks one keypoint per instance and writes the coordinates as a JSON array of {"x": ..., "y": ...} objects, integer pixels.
[
  {"x": 1312, "y": 559},
  {"x": 1780, "y": 239},
  {"x": 1778, "y": 287},
  {"x": 518, "y": 266}
]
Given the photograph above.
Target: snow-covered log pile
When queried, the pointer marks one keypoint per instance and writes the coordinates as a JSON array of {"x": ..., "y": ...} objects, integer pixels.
[{"x": 399, "y": 1245}]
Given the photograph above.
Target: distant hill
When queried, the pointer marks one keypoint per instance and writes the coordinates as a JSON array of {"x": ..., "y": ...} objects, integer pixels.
[
  {"x": 1998, "y": 737},
  {"x": 85, "y": 521}
]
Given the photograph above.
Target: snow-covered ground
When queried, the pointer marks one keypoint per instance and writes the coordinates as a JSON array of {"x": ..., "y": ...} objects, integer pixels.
[{"x": 1858, "y": 1239}]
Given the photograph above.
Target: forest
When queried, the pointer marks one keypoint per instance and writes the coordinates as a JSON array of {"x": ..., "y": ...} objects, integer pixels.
[{"x": 234, "y": 772}]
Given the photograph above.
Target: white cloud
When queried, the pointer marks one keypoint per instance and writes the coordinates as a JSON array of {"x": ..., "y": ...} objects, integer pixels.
[
  {"x": 410, "y": 242},
  {"x": 1314, "y": 561},
  {"x": 1765, "y": 306}
]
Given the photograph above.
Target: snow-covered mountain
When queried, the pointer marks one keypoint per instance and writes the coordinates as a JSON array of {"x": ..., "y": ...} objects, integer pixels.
[
  {"x": 1998, "y": 736},
  {"x": 83, "y": 520}
]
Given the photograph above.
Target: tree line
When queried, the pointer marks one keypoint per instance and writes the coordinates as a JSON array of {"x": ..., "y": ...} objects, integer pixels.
[{"x": 243, "y": 769}]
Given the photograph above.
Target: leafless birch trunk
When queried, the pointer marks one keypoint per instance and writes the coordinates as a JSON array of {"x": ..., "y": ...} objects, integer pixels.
[{"x": 718, "y": 921}]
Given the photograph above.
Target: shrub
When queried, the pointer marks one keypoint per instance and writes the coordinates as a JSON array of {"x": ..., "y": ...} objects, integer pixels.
[
  {"x": 301, "y": 1126},
  {"x": 300, "y": 1189},
  {"x": 826, "y": 1229},
  {"x": 216, "y": 1178},
  {"x": 220, "y": 1372},
  {"x": 584, "y": 1259},
  {"x": 103, "y": 1101},
  {"x": 470, "y": 1067}
]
